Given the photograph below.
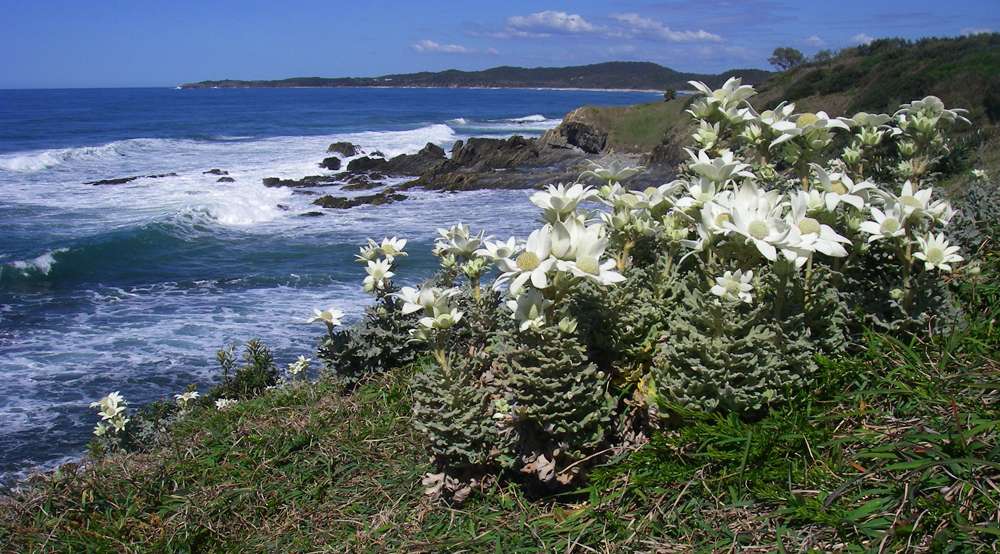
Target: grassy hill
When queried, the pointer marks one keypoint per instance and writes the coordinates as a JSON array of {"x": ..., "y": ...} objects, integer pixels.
[{"x": 610, "y": 75}]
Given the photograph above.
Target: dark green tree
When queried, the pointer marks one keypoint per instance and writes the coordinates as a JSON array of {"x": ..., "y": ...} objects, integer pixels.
[{"x": 785, "y": 58}]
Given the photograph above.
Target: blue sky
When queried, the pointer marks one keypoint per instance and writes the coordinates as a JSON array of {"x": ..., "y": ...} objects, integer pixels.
[{"x": 61, "y": 43}]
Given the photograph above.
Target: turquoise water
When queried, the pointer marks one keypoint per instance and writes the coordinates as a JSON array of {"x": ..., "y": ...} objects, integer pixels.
[{"x": 133, "y": 287}]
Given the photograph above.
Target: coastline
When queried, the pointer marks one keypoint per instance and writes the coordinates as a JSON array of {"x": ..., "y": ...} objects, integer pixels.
[{"x": 568, "y": 89}]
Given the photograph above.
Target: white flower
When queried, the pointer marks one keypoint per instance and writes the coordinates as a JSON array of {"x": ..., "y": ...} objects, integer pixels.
[
  {"x": 497, "y": 250},
  {"x": 392, "y": 247},
  {"x": 331, "y": 316},
  {"x": 368, "y": 253},
  {"x": 532, "y": 264},
  {"x": 559, "y": 201},
  {"x": 755, "y": 216},
  {"x": 583, "y": 256},
  {"x": 887, "y": 224},
  {"x": 864, "y": 119},
  {"x": 700, "y": 191},
  {"x": 936, "y": 252},
  {"x": 840, "y": 188},
  {"x": 185, "y": 397},
  {"x": 914, "y": 201},
  {"x": 932, "y": 107},
  {"x": 719, "y": 169},
  {"x": 224, "y": 403},
  {"x": 529, "y": 309},
  {"x": 808, "y": 235},
  {"x": 458, "y": 240},
  {"x": 443, "y": 320},
  {"x": 378, "y": 273},
  {"x": 727, "y": 99},
  {"x": 814, "y": 126},
  {"x": 980, "y": 175},
  {"x": 611, "y": 169},
  {"x": 100, "y": 429},
  {"x": 299, "y": 365},
  {"x": 111, "y": 406},
  {"x": 432, "y": 300},
  {"x": 734, "y": 286}
]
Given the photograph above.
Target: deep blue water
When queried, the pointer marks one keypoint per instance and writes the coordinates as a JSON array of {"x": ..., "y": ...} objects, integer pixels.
[{"x": 134, "y": 287}]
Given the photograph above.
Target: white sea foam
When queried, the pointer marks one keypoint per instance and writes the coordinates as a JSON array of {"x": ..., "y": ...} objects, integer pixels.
[
  {"x": 41, "y": 264},
  {"x": 528, "y": 118}
]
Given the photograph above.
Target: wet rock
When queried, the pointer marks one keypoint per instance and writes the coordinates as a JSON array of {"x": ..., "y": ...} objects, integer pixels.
[
  {"x": 577, "y": 130},
  {"x": 429, "y": 158},
  {"x": 343, "y": 203},
  {"x": 332, "y": 163},
  {"x": 310, "y": 181},
  {"x": 345, "y": 149},
  {"x": 225, "y": 180},
  {"x": 367, "y": 163},
  {"x": 123, "y": 180},
  {"x": 215, "y": 172},
  {"x": 312, "y": 214}
]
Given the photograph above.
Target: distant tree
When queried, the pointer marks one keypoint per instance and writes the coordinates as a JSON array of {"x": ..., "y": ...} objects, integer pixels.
[
  {"x": 669, "y": 95},
  {"x": 823, "y": 56},
  {"x": 785, "y": 58}
]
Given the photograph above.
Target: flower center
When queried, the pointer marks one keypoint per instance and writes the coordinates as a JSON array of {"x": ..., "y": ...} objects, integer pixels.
[
  {"x": 839, "y": 187},
  {"x": 935, "y": 255},
  {"x": 732, "y": 286},
  {"x": 889, "y": 226},
  {"x": 527, "y": 261},
  {"x": 722, "y": 219},
  {"x": 588, "y": 264},
  {"x": 758, "y": 229},
  {"x": 911, "y": 201},
  {"x": 806, "y": 120},
  {"x": 809, "y": 226}
]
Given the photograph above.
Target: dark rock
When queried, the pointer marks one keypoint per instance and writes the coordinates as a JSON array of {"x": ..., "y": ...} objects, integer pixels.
[
  {"x": 312, "y": 214},
  {"x": 487, "y": 153},
  {"x": 342, "y": 203},
  {"x": 429, "y": 158},
  {"x": 367, "y": 163},
  {"x": 310, "y": 181},
  {"x": 215, "y": 172},
  {"x": 226, "y": 180},
  {"x": 345, "y": 149},
  {"x": 364, "y": 186},
  {"x": 123, "y": 180},
  {"x": 305, "y": 192},
  {"x": 377, "y": 154},
  {"x": 665, "y": 155},
  {"x": 283, "y": 207},
  {"x": 577, "y": 130},
  {"x": 332, "y": 163}
]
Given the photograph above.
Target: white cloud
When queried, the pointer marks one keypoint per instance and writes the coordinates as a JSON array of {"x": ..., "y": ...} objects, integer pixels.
[
  {"x": 636, "y": 25},
  {"x": 862, "y": 38},
  {"x": 492, "y": 51},
  {"x": 969, "y": 31},
  {"x": 815, "y": 40},
  {"x": 543, "y": 23},
  {"x": 429, "y": 46}
]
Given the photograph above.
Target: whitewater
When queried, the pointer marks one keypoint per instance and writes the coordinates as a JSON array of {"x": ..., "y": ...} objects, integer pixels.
[{"x": 134, "y": 287}]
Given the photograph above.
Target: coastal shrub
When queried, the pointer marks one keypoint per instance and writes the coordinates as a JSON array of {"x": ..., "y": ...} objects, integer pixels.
[
  {"x": 785, "y": 236},
  {"x": 257, "y": 373}
]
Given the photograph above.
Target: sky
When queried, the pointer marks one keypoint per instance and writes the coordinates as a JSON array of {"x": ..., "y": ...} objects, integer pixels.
[{"x": 113, "y": 43}]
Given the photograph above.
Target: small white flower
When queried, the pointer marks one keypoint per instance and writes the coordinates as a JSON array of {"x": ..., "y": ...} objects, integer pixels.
[
  {"x": 936, "y": 252},
  {"x": 529, "y": 309},
  {"x": 497, "y": 250},
  {"x": 331, "y": 317},
  {"x": 378, "y": 273},
  {"x": 533, "y": 263},
  {"x": 913, "y": 201},
  {"x": 734, "y": 286},
  {"x": 443, "y": 320},
  {"x": 559, "y": 201},
  {"x": 185, "y": 397},
  {"x": 887, "y": 224},
  {"x": 392, "y": 248},
  {"x": 718, "y": 170},
  {"x": 298, "y": 366},
  {"x": 224, "y": 403},
  {"x": 611, "y": 169},
  {"x": 111, "y": 406}
]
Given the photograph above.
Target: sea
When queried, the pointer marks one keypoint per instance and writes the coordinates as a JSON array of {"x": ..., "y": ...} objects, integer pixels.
[{"x": 134, "y": 287}]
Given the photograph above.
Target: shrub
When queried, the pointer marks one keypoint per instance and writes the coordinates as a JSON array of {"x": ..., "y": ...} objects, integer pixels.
[{"x": 257, "y": 373}]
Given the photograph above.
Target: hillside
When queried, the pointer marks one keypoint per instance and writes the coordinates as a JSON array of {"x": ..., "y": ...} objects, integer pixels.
[{"x": 611, "y": 75}]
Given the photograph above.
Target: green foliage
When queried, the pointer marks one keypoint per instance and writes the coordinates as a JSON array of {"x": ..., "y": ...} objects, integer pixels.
[
  {"x": 257, "y": 373},
  {"x": 785, "y": 58},
  {"x": 379, "y": 342},
  {"x": 731, "y": 357},
  {"x": 560, "y": 408}
]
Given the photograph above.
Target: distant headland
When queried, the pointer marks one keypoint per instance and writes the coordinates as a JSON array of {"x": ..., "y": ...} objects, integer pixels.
[{"x": 602, "y": 76}]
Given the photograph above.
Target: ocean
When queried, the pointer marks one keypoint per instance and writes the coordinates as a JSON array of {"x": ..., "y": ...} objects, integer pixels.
[{"x": 134, "y": 287}]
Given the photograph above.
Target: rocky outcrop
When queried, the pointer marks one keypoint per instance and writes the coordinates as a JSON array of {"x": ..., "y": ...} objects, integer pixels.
[
  {"x": 123, "y": 180},
  {"x": 332, "y": 163},
  {"x": 309, "y": 181},
  {"x": 515, "y": 162},
  {"x": 225, "y": 180},
  {"x": 367, "y": 163},
  {"x": 577, "y": 130},
  {"x": 215, "y": 172},
  {"x": 429, "y": 158},
  {"x": 345, "y": 149},
  {"x": 343, "y": 203}
]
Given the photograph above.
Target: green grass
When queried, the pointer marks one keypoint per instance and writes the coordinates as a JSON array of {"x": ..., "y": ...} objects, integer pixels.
[
  {"x": 637, "y": 128},
  {"x": 897, "y": 450}
]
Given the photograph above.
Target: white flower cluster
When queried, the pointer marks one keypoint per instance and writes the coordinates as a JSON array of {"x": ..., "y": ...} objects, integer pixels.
[
  {"x": 111, "y": 408},
  {"x": 184, "y": 398},
  {"x": 435, "y": 304},
  {"x": 378, "y": 259},
  {"x": 299, "y": 366}
]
